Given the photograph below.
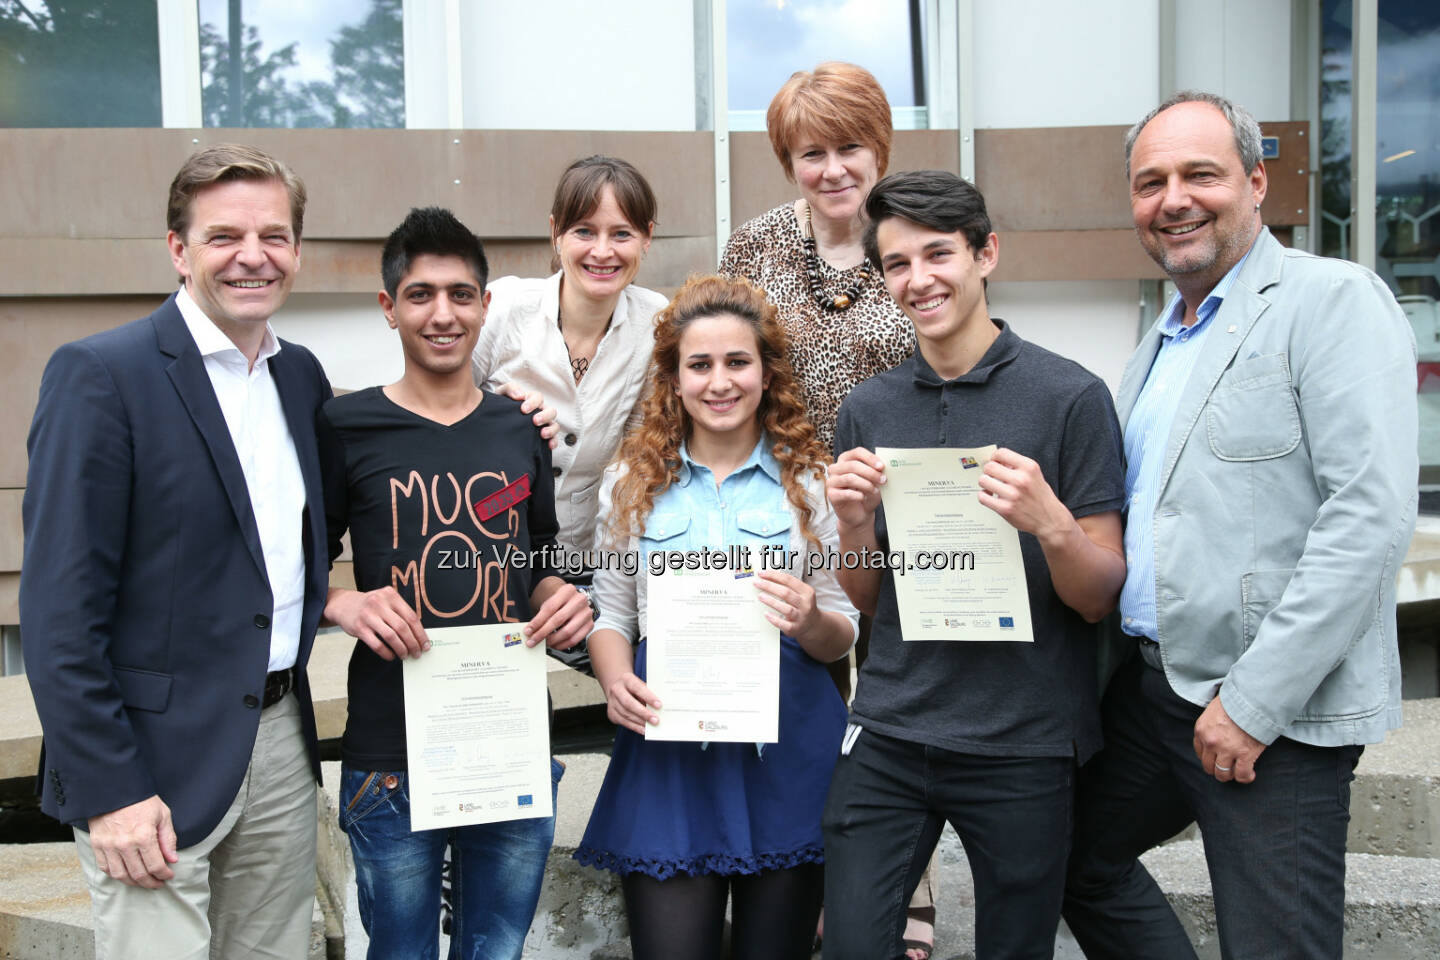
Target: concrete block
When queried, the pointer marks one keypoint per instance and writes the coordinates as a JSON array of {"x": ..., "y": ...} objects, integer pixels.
[
  {"x": 45, "y": 906},
  {"x": 1395, "y": 799},
  {"x": 1392, "y": 904},
  {"x": 581, "y": 911}
]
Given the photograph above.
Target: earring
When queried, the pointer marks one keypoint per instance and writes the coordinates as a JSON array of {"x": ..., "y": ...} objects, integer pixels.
[{"x": 1257, "y": 208}]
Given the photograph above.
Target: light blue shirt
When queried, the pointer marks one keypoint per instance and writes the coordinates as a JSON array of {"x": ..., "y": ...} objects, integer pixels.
[
  {"x": 1147, "y": 434},
  {"x": 747, "y": 508}
]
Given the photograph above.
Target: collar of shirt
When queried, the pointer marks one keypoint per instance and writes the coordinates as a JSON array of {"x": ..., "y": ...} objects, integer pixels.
[
  {"x": 212, "y": 340},
  {"x": 550, "y": 303},
  {"x": 1170, "y": 323},
  {"x": 1005, "y": 348},
  {"x": 759, "y": 457}
]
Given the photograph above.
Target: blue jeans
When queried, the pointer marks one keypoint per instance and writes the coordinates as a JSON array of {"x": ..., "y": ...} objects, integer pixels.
[
  {"x": 496, "y": 873},
  {"x": 889, "y": 800},
  {"x": 1275, "y": 847}
]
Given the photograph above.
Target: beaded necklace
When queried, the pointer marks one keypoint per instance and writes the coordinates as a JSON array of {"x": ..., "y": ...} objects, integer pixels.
[{"x": 843, "y": 300}]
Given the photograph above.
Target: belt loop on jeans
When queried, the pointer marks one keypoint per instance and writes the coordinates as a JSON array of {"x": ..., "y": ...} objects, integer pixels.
[{"x": 277, "y": 684}]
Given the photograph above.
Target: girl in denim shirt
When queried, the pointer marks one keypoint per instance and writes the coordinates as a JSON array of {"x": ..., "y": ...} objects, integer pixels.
[{"x": 724, "y": 456}]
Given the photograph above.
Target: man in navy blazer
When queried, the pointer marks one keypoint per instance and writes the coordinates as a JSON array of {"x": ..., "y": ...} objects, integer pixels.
[{"x": 174, "y": 575}]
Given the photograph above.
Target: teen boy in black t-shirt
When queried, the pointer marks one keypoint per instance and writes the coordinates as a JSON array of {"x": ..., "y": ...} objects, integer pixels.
[
  {"x": 985, "y": 735},
  {"x": 441, "y": 485}
]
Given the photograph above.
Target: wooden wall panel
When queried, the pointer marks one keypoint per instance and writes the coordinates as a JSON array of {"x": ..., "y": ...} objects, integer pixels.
[
  {"x": 12, "y": 534},
  {"x": 1073, "y": 255},
  {"x": 360, "y": 182},
  {"x": 30, "y": 330},
  {"x": 9, "y": 598},
  {"x": 758, "y": 182},
  {"x": 55, "y": 267},
  {"x": 1073, "y": 178},
  {"x": 1053, "y": 178},
  {"x": 1288, "y": 200}
]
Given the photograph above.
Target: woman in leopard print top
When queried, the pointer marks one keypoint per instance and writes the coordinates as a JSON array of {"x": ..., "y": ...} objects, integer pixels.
[
  {"x": 831, "y": 133},
  {"x": 830, "y": 130}
]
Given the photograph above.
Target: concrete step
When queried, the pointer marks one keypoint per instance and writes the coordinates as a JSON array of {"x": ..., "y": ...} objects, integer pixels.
[
  {"x": 1392, "y": 908},
  {"x": 1395, "y": 800},
  {"x": 45, "y": 906},
  {"x": 1392, "y": 904}
]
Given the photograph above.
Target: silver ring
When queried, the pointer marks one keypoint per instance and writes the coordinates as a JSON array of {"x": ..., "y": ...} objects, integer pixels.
[{"x": 1225, "y": 769}]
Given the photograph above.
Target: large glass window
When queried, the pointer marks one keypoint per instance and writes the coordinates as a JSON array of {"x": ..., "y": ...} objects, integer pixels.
[
  {"x": 767, "y": 40},
  {"x": 1407, "y": 182},
  {"x": 72, "y": 63},
  {"x": 277, "y": 63}
]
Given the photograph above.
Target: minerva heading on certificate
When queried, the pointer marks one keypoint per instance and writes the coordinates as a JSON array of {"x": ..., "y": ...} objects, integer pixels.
[{"x": 738, "y": 557}]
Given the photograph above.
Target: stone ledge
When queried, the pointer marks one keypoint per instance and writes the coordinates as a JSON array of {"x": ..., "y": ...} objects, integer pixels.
[
  {"x": 45, "y": 906},
  {"x": 1395, "y": 800},
  {"x": 1392, "y": 904}
]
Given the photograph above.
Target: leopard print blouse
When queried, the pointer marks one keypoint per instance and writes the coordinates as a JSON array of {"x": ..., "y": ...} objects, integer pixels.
[{"x": 831, "y": 352}]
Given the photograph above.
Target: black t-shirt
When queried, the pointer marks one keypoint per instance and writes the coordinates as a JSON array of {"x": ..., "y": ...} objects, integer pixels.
[
  {"x": 415, "y": 495},
  {"x": 993, "y": 698}
]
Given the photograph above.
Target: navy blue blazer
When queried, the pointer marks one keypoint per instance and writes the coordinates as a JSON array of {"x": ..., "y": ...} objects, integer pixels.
[{"x": 144, "y": 602}]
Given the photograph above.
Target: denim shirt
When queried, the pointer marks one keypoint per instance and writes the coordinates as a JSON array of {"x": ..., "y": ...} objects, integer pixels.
[
  {"x": 1146, "y": 430},
  {"x": 749, "y": 507}
]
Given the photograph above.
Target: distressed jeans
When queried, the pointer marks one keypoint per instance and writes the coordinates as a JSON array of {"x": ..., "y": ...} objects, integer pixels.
[{"x": 496, "y": 873}]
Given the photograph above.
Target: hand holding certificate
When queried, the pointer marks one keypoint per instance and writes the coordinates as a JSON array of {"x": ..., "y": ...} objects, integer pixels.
[
  {"x": 714, "y": 660},
  {"x": 476, "y": 728},
  {"x": 963, "y": 577}
]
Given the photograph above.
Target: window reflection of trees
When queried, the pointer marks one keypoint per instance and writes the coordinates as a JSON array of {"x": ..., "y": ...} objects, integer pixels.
[
  {"x": 90, "y": 63},
  {"x": 366, "y": 86}
]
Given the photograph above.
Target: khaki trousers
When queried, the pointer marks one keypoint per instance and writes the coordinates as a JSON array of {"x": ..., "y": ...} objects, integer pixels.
[{"x": 248, "y": 889}]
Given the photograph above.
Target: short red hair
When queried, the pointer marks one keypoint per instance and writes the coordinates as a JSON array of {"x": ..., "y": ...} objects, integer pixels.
[{"x": 838, "y": 102}]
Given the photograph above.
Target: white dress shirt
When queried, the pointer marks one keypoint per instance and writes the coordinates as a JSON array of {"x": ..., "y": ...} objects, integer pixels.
[
  {"x": 252, "y": 410},
  {"x": 521, "y": 341}
]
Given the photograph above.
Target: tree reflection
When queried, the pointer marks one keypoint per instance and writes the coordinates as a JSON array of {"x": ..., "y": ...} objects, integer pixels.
[
  {"x": 79, "y": 64},
  {"x": 366, "y": 89}
]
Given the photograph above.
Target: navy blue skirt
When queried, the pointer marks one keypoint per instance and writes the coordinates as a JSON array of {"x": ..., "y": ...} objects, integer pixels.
[{"x": 669, "y": 808}]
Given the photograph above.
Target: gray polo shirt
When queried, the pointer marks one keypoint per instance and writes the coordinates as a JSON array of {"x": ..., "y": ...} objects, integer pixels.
[{"x": 994, "y": 698}]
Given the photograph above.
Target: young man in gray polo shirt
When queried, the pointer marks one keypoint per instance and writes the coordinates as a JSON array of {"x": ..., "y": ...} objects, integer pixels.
[{"x": 986, "y": 736}]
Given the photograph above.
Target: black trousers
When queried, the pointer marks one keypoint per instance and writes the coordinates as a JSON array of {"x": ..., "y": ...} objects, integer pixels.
[
  {"x": 1275, "y": 847},
  {"x": 889, "y": 800}
]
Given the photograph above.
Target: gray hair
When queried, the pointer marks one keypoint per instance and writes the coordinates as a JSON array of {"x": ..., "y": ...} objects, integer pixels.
[{"x": 1242, "y": 122}]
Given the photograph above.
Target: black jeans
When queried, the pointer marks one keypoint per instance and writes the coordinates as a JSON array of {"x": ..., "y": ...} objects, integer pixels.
[
  {"x": 1275, "y": 847},
  {"x": 889, "y": 800}
]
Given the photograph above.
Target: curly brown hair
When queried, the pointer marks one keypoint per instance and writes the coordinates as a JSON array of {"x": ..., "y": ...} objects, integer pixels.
[{"x": 650, "y": 455}]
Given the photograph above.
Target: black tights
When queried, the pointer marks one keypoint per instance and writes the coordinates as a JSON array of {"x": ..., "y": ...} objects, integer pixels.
[{"x": 772, "y": 918}]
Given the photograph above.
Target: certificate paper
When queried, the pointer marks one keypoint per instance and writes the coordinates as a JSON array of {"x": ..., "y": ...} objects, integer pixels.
[
  {"x": 476, "y": 728},
  {"x": 714, "y": 660},
  {"x": 962, "y": 576}
]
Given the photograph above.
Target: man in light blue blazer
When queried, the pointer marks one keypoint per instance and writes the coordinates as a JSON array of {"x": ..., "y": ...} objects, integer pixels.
[{"x": 1271, "y": 487}]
